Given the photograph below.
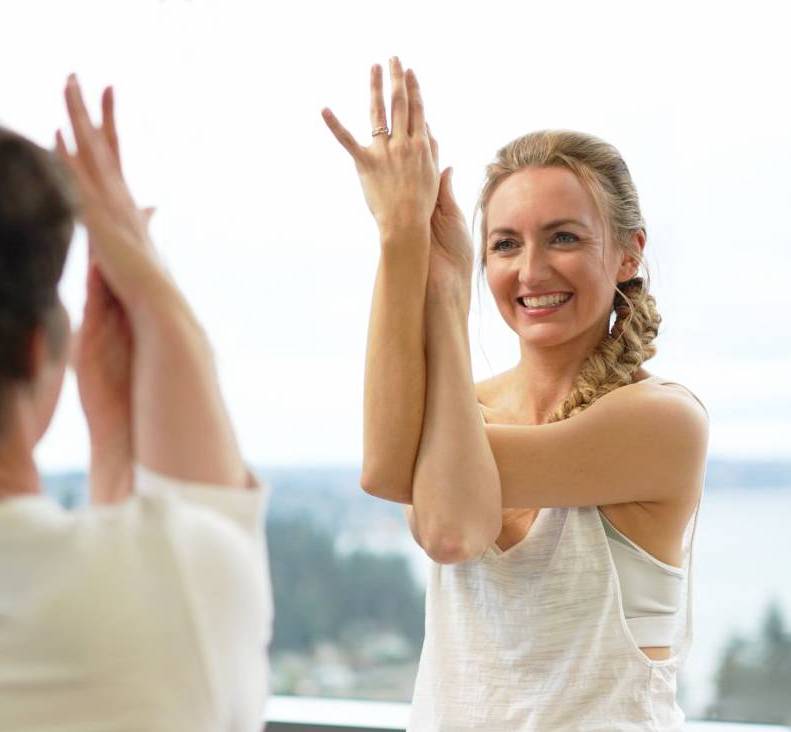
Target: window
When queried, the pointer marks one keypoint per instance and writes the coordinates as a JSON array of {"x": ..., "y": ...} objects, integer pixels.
[{"x": 261, "y": 220}]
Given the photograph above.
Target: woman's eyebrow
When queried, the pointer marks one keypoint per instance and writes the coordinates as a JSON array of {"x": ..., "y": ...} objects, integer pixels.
[
  {"x": 505, "y": 231},
  {"x": 561, "y": 222}
]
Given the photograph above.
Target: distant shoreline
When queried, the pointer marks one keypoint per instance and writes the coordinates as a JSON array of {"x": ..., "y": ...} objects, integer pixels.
[{"x": 720, "y": 473}]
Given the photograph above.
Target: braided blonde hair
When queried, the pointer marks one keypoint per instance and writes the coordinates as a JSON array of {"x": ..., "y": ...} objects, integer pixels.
[{"x": 600, "y": 167}]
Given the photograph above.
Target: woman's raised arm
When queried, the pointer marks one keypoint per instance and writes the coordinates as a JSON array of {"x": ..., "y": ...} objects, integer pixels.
[
  {"x": 180, "y": 424},
  {"x": 400, "y": 180}
]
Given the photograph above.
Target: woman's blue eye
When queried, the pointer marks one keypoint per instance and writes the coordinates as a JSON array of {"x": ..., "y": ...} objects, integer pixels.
[
  {"x": 498, "y": 245},
  {"x": 570, "y": 238}
]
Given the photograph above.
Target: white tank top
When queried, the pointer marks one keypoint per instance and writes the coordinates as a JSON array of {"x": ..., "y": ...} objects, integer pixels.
[{"x": 534, "y": 639}]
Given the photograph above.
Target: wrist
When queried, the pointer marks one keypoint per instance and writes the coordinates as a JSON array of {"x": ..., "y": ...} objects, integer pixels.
[
  {"x": 446, "y": 314},
  {"x": 110, "y": 446},
  {"x": 167, "y": 323},
  {"x": 405, "y": 234},
  {"x": 111, "y": 470},
  {"x": 454, "y": 295}
]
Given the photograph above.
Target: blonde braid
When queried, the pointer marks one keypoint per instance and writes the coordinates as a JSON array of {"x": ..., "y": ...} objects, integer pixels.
[{"x": 618, "y": 357}]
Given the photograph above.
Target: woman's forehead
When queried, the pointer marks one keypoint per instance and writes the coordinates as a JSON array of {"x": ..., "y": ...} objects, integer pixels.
[{"x": 532, "y": 197}]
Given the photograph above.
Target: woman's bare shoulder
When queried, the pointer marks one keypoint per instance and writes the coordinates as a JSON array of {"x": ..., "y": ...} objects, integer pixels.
[{"x": 656, "y": 389}]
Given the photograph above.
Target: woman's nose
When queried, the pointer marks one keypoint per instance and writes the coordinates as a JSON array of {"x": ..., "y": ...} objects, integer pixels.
[{"x": 533, "y": 265}]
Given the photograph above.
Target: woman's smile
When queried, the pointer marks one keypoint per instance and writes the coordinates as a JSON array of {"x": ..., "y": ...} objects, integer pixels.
[{"x": 532, "y": 307}]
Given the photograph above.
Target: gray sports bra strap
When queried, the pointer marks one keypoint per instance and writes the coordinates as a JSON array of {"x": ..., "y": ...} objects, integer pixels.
[{"x": 694, "y": 396}]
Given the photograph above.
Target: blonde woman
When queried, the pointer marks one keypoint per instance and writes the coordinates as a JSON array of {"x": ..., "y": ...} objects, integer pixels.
[{"x": 557, "y": 499}]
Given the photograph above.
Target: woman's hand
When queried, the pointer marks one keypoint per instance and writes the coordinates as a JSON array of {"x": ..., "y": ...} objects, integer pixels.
[
  {"x": 118, "y": 229},
  {"x": 102, "y": 361},
  {"x": 398, "y": 171},
  {"x": 451, "y": 259},
  {"x": 180, "y": 424}
]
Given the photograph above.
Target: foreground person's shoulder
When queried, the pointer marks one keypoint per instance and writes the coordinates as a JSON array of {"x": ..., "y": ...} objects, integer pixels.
[{"x": 243, "y": 505}]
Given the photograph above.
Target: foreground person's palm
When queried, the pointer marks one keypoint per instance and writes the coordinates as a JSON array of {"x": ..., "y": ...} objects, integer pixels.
[{"x": 102, "y": 361}]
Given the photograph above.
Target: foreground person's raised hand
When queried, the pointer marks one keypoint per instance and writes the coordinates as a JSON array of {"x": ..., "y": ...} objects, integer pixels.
[
  {"x": 102, "y": 362},
  {"x": 179, "y": 421}
]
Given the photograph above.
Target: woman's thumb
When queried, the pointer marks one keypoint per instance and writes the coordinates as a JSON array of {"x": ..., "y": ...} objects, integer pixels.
[
  {"x": 148, "y": 214},
  {"x": 446, "y": 199}
]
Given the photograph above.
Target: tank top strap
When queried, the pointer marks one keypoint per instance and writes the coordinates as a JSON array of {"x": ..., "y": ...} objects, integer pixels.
[{"x": 662, "y": 380}]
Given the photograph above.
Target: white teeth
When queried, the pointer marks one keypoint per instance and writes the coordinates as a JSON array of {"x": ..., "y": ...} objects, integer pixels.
[{"x": 544, "y": 301}]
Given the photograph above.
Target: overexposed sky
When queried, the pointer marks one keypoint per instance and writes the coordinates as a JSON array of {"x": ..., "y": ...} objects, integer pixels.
[{"x": 261, "y": 218}]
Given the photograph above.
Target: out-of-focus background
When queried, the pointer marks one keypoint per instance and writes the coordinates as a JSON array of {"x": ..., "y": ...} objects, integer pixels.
[{"x": 261, "y": 219}]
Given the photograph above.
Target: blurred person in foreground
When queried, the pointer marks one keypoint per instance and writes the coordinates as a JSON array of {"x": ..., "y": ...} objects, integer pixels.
[{"x": 149, "y": 609}]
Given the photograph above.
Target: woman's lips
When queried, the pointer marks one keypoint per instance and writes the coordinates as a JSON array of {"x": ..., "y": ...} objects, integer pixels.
[{"x": 538, "y": 312}]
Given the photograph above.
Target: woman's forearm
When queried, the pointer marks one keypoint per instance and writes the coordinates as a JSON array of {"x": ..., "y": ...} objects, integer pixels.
[
  {"x": 180, "y": 423},
  {"x": 110, "y": 477},
  {"x": 456, "y": 489},
  {"x": 395, "y": 379}
]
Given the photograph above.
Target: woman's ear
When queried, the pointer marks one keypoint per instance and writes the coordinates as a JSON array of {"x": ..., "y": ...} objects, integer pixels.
[{"x": 630, "y": 265}]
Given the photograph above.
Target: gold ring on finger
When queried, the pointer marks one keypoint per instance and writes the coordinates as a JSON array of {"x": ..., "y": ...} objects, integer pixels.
[{"x": 380, "y": 131}]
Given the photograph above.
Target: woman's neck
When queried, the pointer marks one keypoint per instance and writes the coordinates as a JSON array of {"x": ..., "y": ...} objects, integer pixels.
[
  {"x": 18, "y": 473},
  {"x": 544, "y": 376}
]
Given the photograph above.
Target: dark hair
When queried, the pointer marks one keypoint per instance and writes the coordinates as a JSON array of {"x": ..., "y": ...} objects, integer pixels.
[{"x": 37, "y": 209}]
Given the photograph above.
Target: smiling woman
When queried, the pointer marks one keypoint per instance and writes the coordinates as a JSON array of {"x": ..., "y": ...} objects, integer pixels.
[
  {"x": 598, "y": 511},
  {"x": 561, "y": 531}
]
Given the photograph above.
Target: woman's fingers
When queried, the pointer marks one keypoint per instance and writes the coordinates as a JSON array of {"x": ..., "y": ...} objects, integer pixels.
[
  {"x": 148, "y": 214},
  {"x": 98, "y": 295},
  {"x": 399, "y": 110},
  {"x": 108, "y": 125},
  {"x": 378, "y": 111},
  {"x": 445, "y": 198},
  {"x": 76, "y": 166},
  {"x": 92, "y": 150},
  {"x": 417, "y": 116},
  {"x": 342, "y": 135},
  {"x": 80, "y": 122},
  {"x": 60, "y": 147}
]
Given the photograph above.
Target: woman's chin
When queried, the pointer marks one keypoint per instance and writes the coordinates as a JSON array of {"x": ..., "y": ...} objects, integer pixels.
[{"x": 543, "y": 335}]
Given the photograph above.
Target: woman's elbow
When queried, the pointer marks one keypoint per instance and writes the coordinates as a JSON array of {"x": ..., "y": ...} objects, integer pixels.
[
  {"x": 450, "y": 548},
  {"x": 386, "y": 487}
]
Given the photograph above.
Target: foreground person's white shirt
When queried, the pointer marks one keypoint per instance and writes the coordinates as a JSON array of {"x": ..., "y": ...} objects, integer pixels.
[{"x": 147, "y": 616}]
